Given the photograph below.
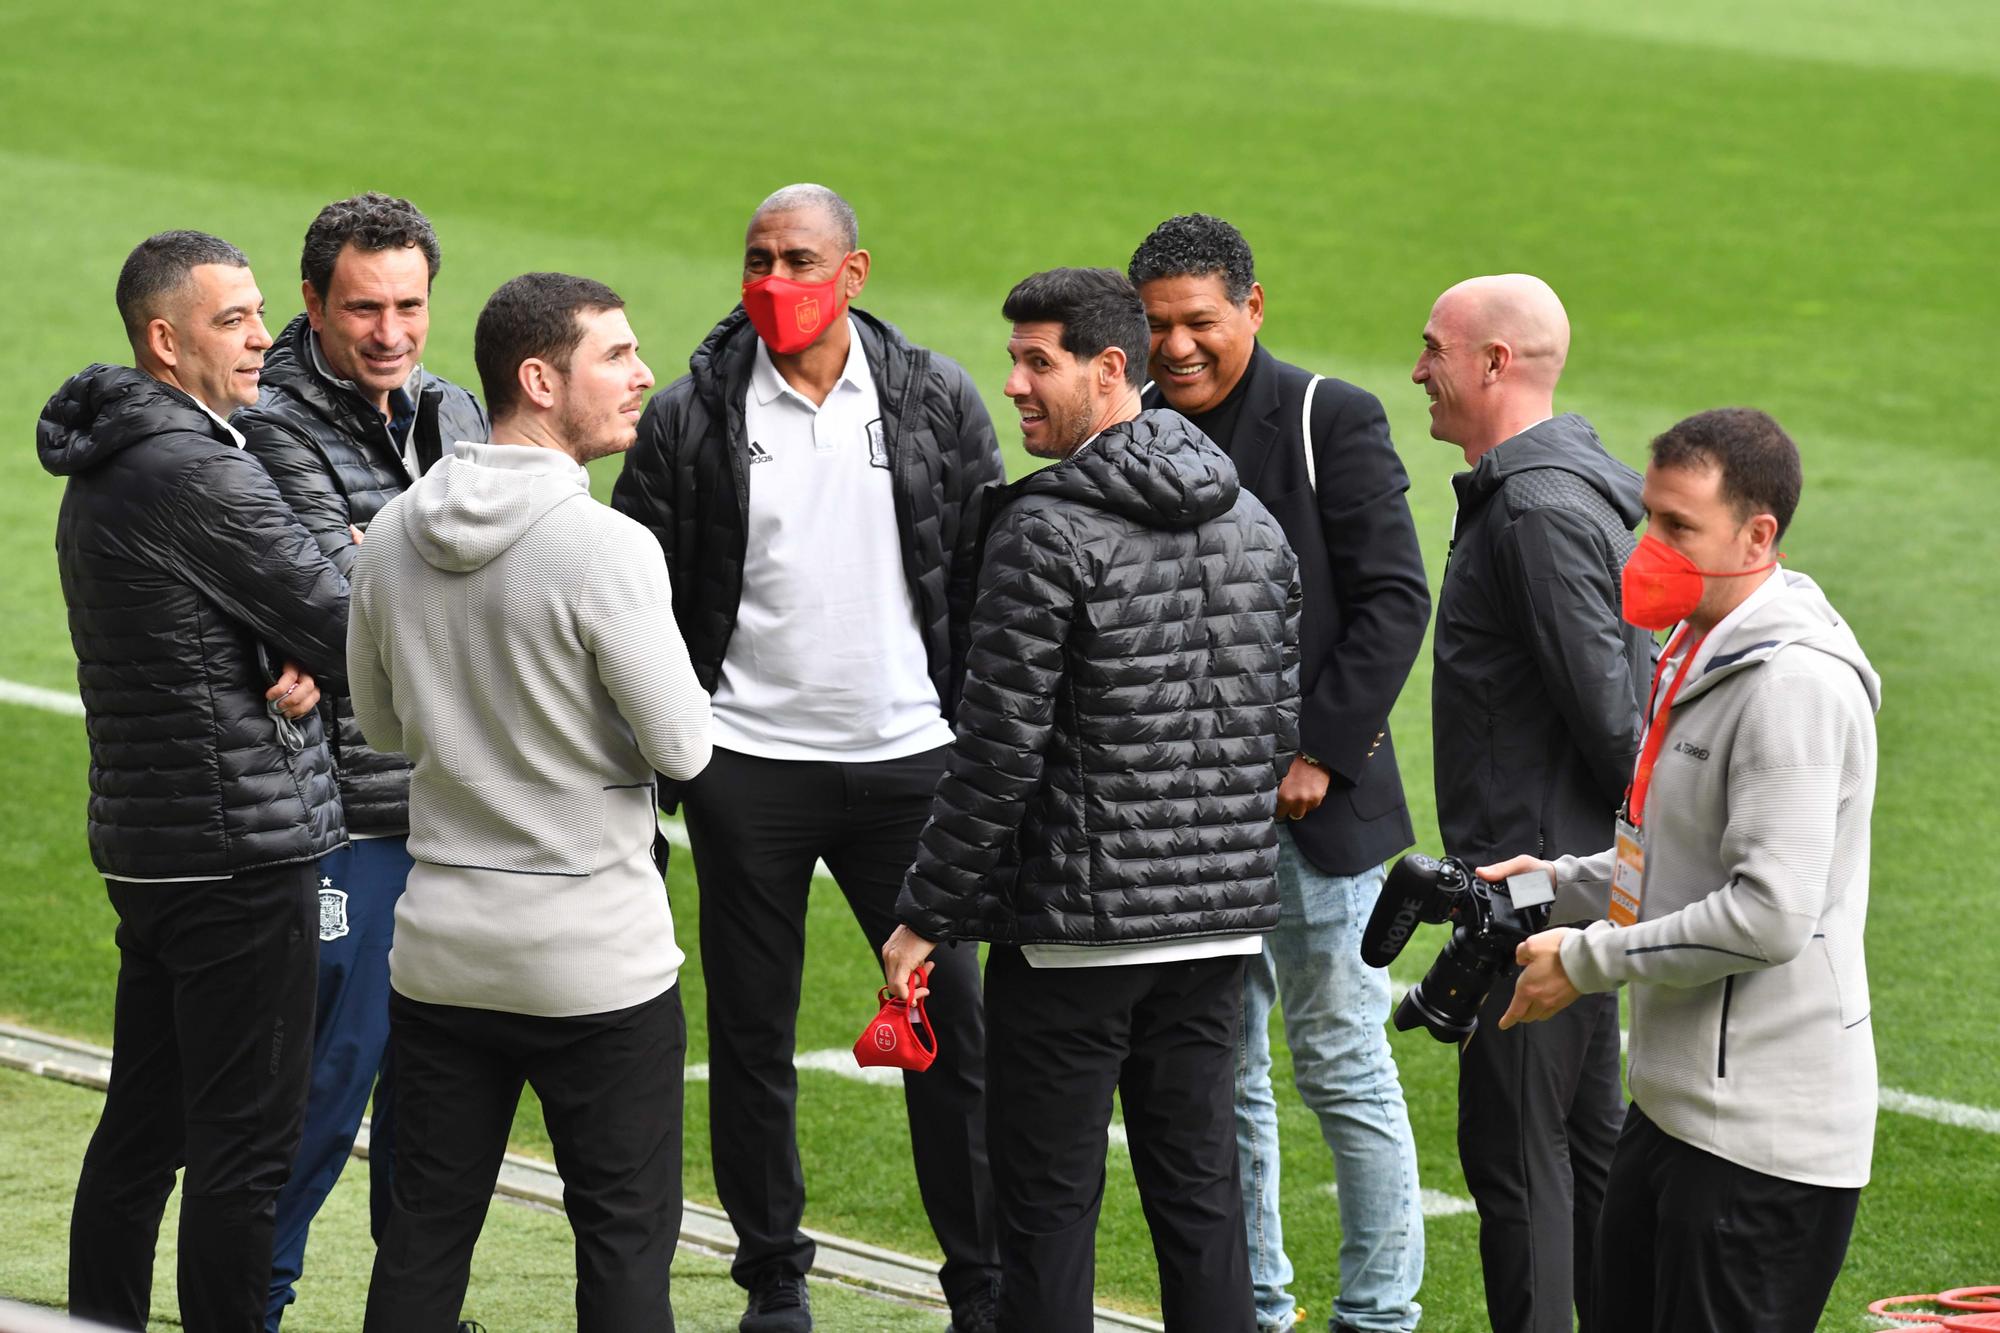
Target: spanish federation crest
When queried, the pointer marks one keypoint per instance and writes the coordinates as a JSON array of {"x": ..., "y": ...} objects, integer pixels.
[
  {"x": 807, "y": 314},
  {"x": 332, "y": 911},
  {"x": 885, "y": 1037}
]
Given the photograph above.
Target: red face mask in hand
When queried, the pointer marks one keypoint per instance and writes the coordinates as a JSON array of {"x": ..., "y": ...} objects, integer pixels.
[
  {"x": 1660, "y": 587},
  {"x": 901, "y": 1036},
  {"x": 788, "y": 315}
]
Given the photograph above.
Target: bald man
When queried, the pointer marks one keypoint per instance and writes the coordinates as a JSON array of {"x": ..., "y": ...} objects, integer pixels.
[
  {"x": 812, "y": 480},
  {"x": 1535, "y": 701}
]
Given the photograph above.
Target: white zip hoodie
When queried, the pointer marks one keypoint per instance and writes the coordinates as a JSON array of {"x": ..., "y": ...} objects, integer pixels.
[
  {"x": 516, "y": 639},
  {"x": 1750, "y": 1032}
]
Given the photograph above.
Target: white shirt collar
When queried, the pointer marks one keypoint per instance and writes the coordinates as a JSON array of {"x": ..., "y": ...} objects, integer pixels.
[
  {"x": 234, "y": 433},
  {"x": 769, "y": 385}
]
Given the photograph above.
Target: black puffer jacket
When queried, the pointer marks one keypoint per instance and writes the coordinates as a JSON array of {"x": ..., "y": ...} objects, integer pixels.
[
  {"x": 687, "y": 479},
  {"x": 1539, "y": 682},
  {"x": 187, "y": 577},
  {"x": 1130, "y": 700},
  {"x": 336, "y": 463}
]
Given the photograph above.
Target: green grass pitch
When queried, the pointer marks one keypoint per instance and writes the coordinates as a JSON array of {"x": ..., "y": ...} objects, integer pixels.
[{"x": 1789, "y": 204}]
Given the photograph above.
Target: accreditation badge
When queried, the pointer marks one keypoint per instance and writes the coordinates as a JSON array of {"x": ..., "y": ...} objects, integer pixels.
[{"x": 1628, "y": 875}]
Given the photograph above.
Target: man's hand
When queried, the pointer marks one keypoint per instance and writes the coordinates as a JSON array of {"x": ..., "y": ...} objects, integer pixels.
[
  {"x": 1303, "y": 788},
  {"x": 1543, "y": 990},
  {"x": 295, "y": 692},
  {"x": 1519, "y": 865},
  {"x": 906, "y": 952},
  {"x": 355, "y": 533}
]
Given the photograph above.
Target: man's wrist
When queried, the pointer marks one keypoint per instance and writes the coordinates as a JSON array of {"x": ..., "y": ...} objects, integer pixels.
[{"x": 1315, "y": 761}]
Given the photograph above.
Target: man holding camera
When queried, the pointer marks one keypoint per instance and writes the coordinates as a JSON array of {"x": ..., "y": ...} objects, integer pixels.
[
  {"x": 1738, "y": 886},
  {"x": 1535, "y": 721}
]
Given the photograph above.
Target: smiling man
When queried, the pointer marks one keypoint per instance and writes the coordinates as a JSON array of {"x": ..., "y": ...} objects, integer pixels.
[
  {"x": 212, "y": 802},
  {"x": 813, "y": 482},
  {"x": 1534, "y": 722},
  {"x": 514, "y": 638},
  {"x": 1130, "y": 700},
  {"x": 1317, "y": 452},
  {"x": 347, "y": 420}
]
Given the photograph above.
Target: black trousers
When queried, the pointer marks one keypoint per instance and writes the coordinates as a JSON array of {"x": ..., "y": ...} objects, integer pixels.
[
  {"x": 756, "y": 827},
  {"x": 1539, "y": 1108},
  {"x": 213, "y": 1040},
  {"x": 610, "y": 1086},
  {"x": 1692, "y": 1243},
  {"x": 1164, "y": 1036}
]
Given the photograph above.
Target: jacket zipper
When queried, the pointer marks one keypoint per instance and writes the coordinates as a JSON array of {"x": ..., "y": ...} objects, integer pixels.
[{"x": 1722, "y": 1036}]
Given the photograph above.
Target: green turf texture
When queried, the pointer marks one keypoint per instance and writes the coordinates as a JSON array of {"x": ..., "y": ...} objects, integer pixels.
[{"x": 1790, "y": 205}]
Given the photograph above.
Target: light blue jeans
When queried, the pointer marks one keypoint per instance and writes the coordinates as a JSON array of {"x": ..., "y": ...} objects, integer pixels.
[{"x": 1335, "y": 1008}]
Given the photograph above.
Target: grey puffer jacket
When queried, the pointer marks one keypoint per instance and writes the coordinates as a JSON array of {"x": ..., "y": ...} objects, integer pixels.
[
  {"x": 1131, "y": 696},
  {"x": 336, "y": 463},
  {"x": 188, "y": 579}
]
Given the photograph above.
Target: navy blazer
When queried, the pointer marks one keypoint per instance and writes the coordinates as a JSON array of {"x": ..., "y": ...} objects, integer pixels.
[{"x": 1366, "y": 598}]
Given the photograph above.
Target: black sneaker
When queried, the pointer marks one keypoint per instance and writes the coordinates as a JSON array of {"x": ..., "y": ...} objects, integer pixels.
[
  {"x": 977, "y": 1313},
  {"x": 778, "y": 1304}
]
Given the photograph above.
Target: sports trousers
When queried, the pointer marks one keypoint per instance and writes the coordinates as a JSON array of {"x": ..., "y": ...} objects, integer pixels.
[
  {"x": 756, "y": 827},
  {"x": 610, "y": 1085},
  {"x": 1163, "y": 1036},
  {"x": 212, "y": 1048},
  {"x": 358, "y": 889},
  {"x": 1691, "y": 1243},
  {"x": 1539, "y": 1107}
]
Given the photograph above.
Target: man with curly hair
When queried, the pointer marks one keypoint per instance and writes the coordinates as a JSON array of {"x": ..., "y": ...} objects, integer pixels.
[
  {"x": 347, "y": 420},
  {"x": 1317, "y": 452}
]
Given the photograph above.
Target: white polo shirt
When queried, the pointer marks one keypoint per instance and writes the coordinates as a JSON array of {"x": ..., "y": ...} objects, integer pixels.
[{"x": 826, "y": 661}]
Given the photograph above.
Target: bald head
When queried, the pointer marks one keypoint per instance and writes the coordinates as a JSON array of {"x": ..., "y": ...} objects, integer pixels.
[
  {"x": 1493, "y": 351},
  {"x": 1518, "y": 310},
  {"x": 833, "y": 211}
]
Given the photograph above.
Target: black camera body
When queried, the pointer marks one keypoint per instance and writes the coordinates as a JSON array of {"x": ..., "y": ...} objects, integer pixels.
[{"x": 1490, "y": 921}]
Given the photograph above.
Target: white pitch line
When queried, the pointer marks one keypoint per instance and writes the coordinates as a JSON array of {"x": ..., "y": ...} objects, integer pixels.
[
  {"x": 1935, "y": 1109},
  {"x": 34, "y": 696}
]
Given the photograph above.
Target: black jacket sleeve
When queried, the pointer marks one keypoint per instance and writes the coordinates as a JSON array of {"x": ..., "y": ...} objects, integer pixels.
[
  {"x": 644, "y": 491},
  {"x": 1556, "y": 579},
  {"x": 1020, "y": 626},
  {"x": 234, "y": 537},
  {"x": 306, "y": 481},
  {"x": 977, "y": 466},
  {"x": 1377, "y": 570}
]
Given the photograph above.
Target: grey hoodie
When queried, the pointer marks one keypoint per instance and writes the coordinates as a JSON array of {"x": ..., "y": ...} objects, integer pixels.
[
  {"x": 516, "y": 639},
  {"x": 1750, "y": 1033}
]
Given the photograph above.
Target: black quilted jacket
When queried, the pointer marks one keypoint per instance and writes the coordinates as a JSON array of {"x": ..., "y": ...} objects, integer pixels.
[
  {"x": 1538, "y": 683},
  {"x": 1130, "y": 700},
  {"x": 336, "y": 463},
  {"x": 187, "y": 578},
  {"x": 687, "y": 480}
]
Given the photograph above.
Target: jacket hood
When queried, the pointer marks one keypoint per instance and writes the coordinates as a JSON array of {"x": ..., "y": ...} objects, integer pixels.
[
  {"x": 1566, "y": 442},
  {"x": 1798, "y": 616},
  {"x": 469, "y": 508},
  {"x": 102, "y": 410},
  {"x": 1156, "y": 469}
]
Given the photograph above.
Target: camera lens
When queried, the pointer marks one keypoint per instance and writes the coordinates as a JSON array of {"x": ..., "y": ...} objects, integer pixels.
[{"x": 1447, "y": 1000}]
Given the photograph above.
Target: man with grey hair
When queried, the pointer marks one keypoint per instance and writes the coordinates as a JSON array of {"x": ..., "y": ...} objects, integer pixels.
[
  {"x": 812, "y": 481},
  {"x": 1535, "y": 721},
  {"x": 201, "y": 611}
]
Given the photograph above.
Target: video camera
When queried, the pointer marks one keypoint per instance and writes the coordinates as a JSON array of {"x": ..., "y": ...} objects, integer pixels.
[{"x": 1490, "y": 920}]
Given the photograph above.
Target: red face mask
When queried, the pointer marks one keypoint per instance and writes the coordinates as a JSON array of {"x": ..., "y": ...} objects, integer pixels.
[
  {"x": 900, "y": 1036},
  {"x": 788, "y": 315},
  {"x": 1661, "y": 587}
]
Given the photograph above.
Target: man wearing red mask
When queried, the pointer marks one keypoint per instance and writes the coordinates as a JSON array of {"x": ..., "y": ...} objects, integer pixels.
[
  {"x": 1535, "y": 721},
  {"x": 1738, "y": 888},
  {"x": 812, "y": 480}
]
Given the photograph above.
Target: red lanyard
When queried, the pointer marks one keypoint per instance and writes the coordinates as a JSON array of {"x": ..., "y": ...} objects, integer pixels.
[{"x": 1656, "y": 727}]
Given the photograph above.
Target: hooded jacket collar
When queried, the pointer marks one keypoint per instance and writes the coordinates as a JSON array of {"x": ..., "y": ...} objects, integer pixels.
[
  {"x": 103, "y": 410},
  {"x": 1799, "y": 616},
  {"x": 1155, "y": 469},
  {"x": 1567, "y": 443},
  {"x": 471, "y": 507}
]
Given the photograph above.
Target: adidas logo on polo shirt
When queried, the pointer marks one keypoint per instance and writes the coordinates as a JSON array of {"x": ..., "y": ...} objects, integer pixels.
[{"x": 758, "y": 453}]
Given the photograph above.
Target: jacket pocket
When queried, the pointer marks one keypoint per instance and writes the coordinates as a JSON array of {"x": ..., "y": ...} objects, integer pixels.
[{"x": 1722, "y": 1029}]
